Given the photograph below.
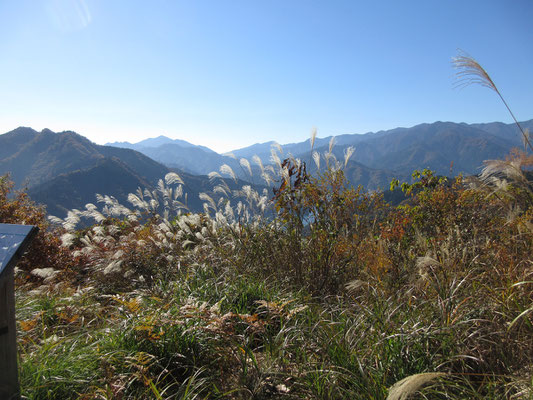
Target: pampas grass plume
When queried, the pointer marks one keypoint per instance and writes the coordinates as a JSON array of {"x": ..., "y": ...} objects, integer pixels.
[{"x": 401, "y": 390}]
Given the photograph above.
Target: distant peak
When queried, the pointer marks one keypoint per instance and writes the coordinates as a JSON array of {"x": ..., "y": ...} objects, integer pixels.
[
  {"x": 115, "y": 143},
  {"x": 154, "y": 142},
  {"x": 21, "y": 129}
]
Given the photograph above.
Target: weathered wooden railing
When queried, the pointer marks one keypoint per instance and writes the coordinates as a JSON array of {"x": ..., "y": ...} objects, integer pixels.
[{"x": 13, "y": 242}]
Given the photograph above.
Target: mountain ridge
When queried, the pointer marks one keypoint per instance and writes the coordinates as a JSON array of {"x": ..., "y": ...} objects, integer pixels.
[
  {"x": 65, "y": 170},
  {"x": 383, "y": 149},
  {"x": 48, "y": 163},
  {"x": 157, "y": 142}
]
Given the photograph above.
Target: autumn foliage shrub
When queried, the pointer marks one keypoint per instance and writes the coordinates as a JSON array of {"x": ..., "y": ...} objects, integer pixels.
[
  {"x": 46, "y": 257},
  {"x": 458, "y": 251},
  {"x": 324, "y": 221}
]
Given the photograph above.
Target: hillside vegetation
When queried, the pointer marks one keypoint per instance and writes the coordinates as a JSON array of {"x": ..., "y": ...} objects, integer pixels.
[{"x": 319, "y": 291}]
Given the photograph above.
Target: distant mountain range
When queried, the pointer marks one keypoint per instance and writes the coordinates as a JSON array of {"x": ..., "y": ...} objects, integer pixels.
[
  {"x": 446, "y": 147},
  {"x": 64, "y": 170},
  {"x": 175, "y": 153},
  {"x": 156, "y": 142}
]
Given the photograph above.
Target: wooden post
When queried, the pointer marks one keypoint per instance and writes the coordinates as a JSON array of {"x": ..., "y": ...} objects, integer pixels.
[
  {"x": 9, "y": 386},
  {"x": 13, "y": 241}
]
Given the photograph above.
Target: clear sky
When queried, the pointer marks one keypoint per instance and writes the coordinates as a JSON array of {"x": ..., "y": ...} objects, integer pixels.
[{"x": 227, "y": 74}]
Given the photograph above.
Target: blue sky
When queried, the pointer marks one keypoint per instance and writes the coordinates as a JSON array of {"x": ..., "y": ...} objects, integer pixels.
[{"x": 227, "y": 74}]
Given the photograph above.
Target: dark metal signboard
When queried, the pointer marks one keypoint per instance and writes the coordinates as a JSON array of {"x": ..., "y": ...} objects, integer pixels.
[{"x": 13, "y": 242}]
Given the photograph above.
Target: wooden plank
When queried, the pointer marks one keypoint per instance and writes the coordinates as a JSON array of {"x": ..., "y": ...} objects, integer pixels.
[{"x": 13, "y": 242}]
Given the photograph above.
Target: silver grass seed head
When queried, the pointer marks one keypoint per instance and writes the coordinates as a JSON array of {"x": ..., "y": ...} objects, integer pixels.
[
  {"x": 221, "y": 190},
  {"x": 227, "y": 170},
  {"x": 71, "y": 220},
  {"x": 194, "y": 219},
  {"x": 184, "y": 226},
  {"x": 403, "y": 389},
  {"x": 285, "y": 175},
  {"x": 313, "y": 137},
  {"x": 44, "y": 273},
  {"x": 161, "y": 186},
  {"x": 256, "y": 159},
  {"x": 173, "y": 178},
  {"x": 246, "y": 164},
  {"x": 136, "y": 201},
  {"x": 55, "y": 220},
  {"x": 266, "y": 177},
  {"x": 96, "y": 215},
  {"x": 113, "y": 267},
  {"x": 213, "y": 175},
  {"x": 277, "y": 146},
  {"x": 316, "y": 159},
  {"x": 270, "y": 169},
  {"x": 67, "y": 239},
  {"x": 424, "y": 265},
  {"x": 469, "y": 72},
  {"x": 90, "y": 207},
  {"x": 262, "y": 203},
  {"x": 205, "y": 197},
  {"x": 228, "y": 210},
  {"x": 247, "y": 191},
  {"x": 99, "y": 230},
  {"x": 275, "y": 158},
  {"x": 331, "y": 144},
  {"x": 348, "y": 152},
  {"x": 221, "y": 219}
]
